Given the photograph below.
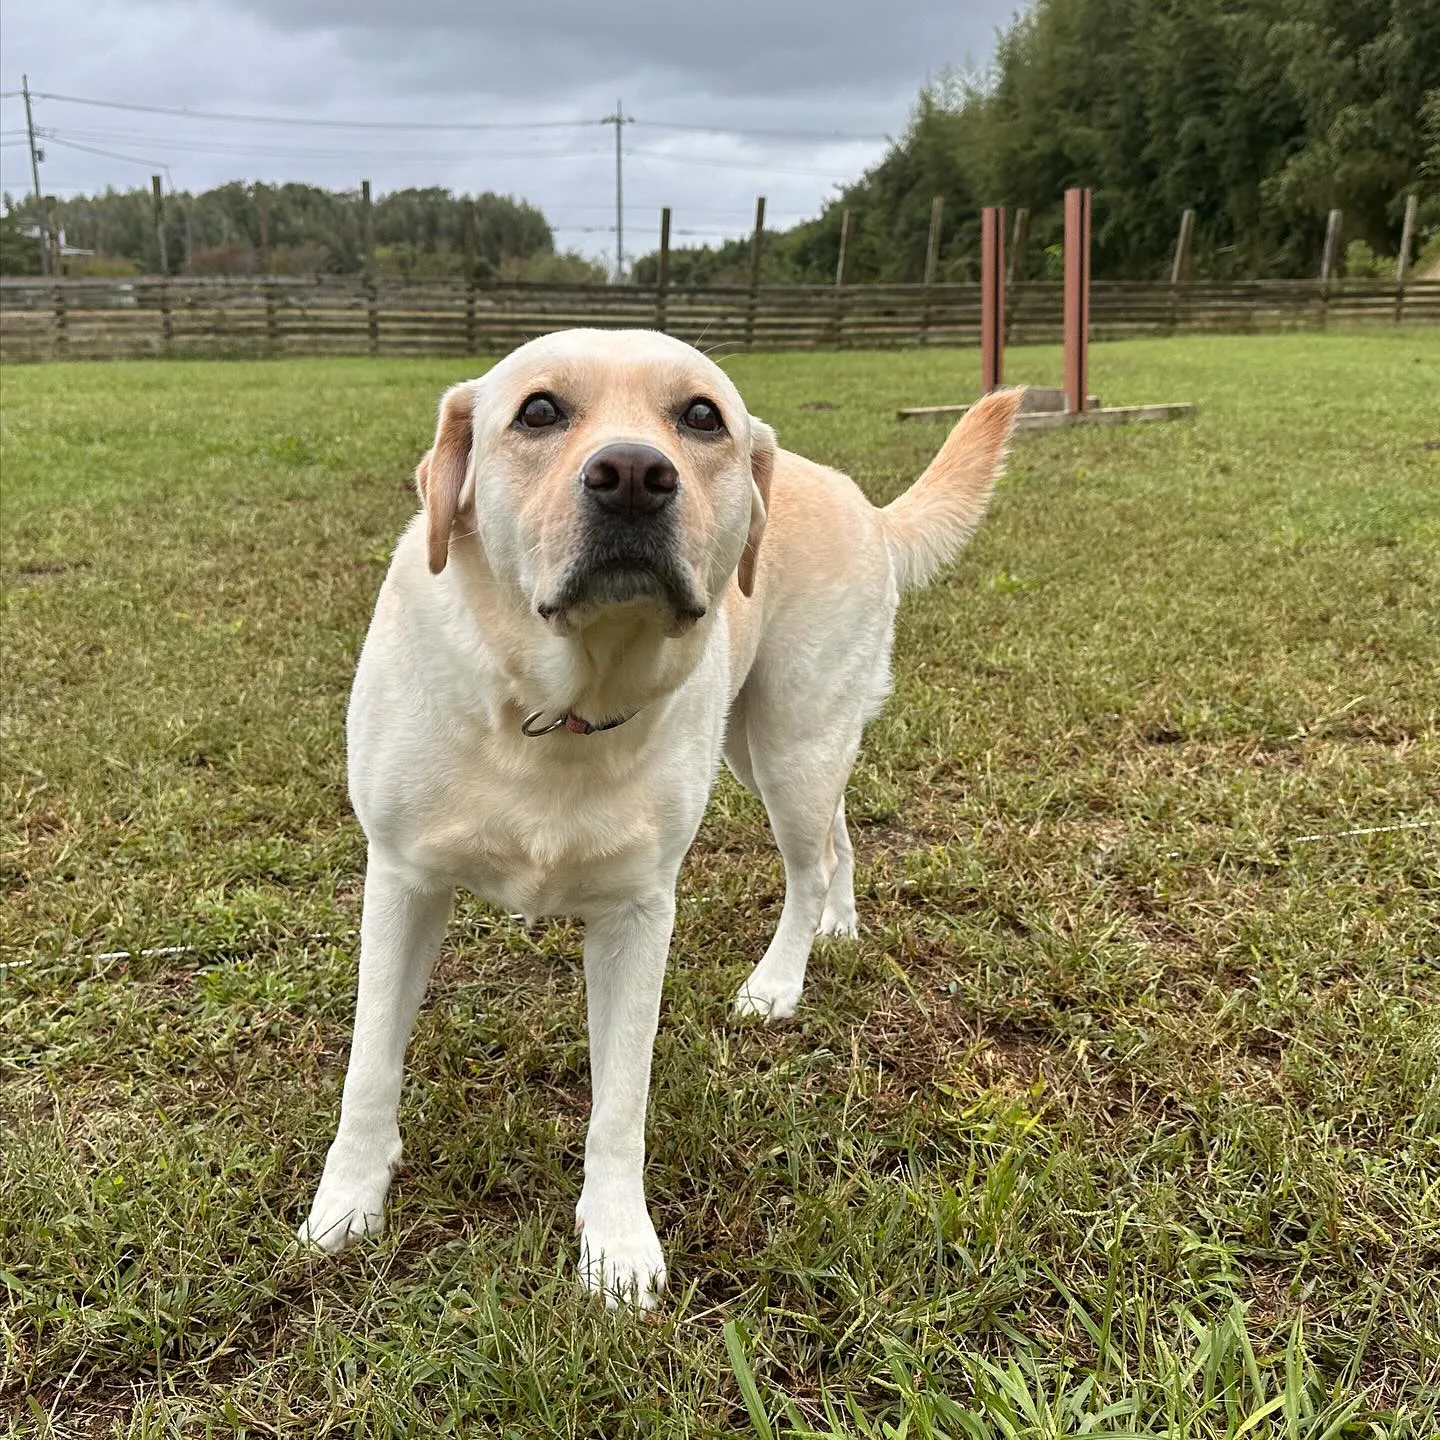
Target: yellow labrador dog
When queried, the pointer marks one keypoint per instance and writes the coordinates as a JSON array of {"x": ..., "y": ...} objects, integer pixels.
[{"x": 617, "y": 578}]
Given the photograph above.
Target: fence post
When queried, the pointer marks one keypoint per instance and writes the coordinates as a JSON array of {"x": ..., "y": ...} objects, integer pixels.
[
  {"x": 157, "y": 205},
  {"x": 1015, "y": 264},
  {"x": 1180, "y": 263},
  {"x": 992, "y": 298},
  {"x": 367, "y": 229},
  {"x": 272, "y": 318},
  {"x": 932, "y": 263},
  {"x": 844, "y": 248},
  {"x": 167, "y": 324},
  {"x": 1077, "y": 299},
  {"x": 262, "y": 204},
  {"x": 1402, "y": 261},
  {"x": 1328, "y": 256},
  {"x": 755, "y": 247},
  {"x": 367, "y": 280},
  {"x": 662, "y": 278},
  {"x": 61, "y": 321},
  {"x": 837, "y": 312},
  {"x": 470, "y": 245},
  {"x": 1019, "y": 239}
]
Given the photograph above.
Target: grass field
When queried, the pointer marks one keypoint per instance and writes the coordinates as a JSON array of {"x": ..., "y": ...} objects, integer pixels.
[{"x": 1122, "y": 1116}]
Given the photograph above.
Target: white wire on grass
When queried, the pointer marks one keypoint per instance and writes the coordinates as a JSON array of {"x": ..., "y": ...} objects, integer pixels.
[{"x": 1369, "y": 830}]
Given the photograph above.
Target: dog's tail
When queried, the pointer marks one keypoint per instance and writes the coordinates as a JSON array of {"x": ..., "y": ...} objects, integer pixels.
[{"x": 928, "y": 524}]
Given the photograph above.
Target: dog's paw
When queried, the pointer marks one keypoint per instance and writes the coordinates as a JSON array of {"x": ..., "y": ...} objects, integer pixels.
[
  {"x": 620, "y": 1257},
  {"x": 350, "y": 1203},
  {"x": 767, "y": 1001},
  {"x": 839, "y": 921}
]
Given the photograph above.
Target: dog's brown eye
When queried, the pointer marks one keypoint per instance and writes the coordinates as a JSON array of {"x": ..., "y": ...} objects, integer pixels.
[
  {"x": 703, "y": 416},
  {"x": 538, "y": 413}
]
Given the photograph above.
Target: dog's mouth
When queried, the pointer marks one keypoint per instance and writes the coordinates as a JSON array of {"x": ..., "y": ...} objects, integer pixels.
[{"x": 600, "y": 582}]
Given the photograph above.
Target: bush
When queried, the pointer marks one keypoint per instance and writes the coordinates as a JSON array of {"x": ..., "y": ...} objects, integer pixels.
[
  {"x": 102, "y": 266},
  {"x": 1362, "y": 263}
]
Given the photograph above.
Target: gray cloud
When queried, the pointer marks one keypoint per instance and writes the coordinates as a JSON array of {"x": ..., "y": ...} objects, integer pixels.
[{"x": 804, "y": 69}]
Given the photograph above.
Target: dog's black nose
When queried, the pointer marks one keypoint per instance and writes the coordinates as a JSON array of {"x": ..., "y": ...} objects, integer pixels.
[{"x": 629, "y": 479}]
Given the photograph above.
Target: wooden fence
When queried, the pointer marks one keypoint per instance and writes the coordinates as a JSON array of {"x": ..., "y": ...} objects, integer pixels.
[{"x": 108, "y": 319}]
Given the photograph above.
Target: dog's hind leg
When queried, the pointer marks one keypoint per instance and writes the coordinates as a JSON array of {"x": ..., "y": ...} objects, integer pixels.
[
  {"x": 400, "y": 932},
  {"x": 802, "y": 784},
  {"x": 838, "y": 917},
  {"x": 737, "y": 753}
]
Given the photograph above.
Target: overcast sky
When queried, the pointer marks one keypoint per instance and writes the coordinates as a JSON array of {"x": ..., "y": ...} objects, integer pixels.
[{"x": 822, "y": 83}]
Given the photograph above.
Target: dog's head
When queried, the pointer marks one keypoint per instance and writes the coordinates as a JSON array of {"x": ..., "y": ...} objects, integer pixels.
[{"x": 602, "y": 469}]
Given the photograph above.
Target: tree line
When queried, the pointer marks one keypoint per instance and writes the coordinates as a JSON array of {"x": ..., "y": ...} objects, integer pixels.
[
  {"x": 1261, "y": 115},
  {"x": 299, "y": 229}
]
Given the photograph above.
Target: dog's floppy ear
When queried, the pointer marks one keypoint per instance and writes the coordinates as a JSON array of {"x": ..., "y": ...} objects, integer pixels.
[
  {"x": 762, "y": 467},
  {"x": 443, "y": 472}
]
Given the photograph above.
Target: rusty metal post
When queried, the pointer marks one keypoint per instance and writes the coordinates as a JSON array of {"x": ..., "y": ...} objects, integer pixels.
[
  {"x": 1077, "y": 299},
  {"x": 992, "y": 298}
]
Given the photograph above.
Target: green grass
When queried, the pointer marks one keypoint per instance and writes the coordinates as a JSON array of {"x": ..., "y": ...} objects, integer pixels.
[{"x": 1123, "y": 1116}]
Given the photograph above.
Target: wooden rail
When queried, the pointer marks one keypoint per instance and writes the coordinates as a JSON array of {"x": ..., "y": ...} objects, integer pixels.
[{"x": 44, "y": 319}]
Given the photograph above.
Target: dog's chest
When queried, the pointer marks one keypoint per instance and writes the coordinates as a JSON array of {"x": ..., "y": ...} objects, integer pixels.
[{"x": 535, "y": 849}]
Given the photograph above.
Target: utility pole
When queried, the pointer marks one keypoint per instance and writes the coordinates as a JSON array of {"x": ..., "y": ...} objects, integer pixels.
[
  {"x": 41, "y": 217},
  {"x": 619, "y": 120}
]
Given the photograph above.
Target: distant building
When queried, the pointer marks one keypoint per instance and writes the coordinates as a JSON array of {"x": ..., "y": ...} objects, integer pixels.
[{"x": 37, "y": 232}]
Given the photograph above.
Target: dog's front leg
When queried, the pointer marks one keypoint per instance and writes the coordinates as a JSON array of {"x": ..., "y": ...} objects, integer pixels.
[
  {"x": 401, "y": 927},
  {"x": 625, "y": 948}
]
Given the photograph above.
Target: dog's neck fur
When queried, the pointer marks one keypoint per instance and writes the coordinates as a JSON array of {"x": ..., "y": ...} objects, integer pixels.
[{"x": 624, "y": 661}]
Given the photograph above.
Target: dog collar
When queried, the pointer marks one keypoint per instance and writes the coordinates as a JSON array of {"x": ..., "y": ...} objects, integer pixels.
[{"x": 572, "y": 722}]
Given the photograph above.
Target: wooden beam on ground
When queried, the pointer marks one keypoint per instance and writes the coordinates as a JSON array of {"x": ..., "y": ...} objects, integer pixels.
[{"x": 1060, "y": 419}]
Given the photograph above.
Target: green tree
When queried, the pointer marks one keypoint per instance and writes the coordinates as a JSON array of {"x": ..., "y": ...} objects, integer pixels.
[{"x": 19, "y": 252}]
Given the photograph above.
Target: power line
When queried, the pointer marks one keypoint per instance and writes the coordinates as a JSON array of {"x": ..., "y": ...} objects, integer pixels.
[
  {"x": 114, "y": 155},
  {"x": 776, "y": 133},
  {"x": 234, "y": 117},
  {"x": 189, "y": 146},
  {"x": 239, "y": 117}
]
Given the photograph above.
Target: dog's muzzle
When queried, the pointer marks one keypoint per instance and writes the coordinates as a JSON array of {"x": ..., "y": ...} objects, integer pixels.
[{"x": 629, "y": 537}]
